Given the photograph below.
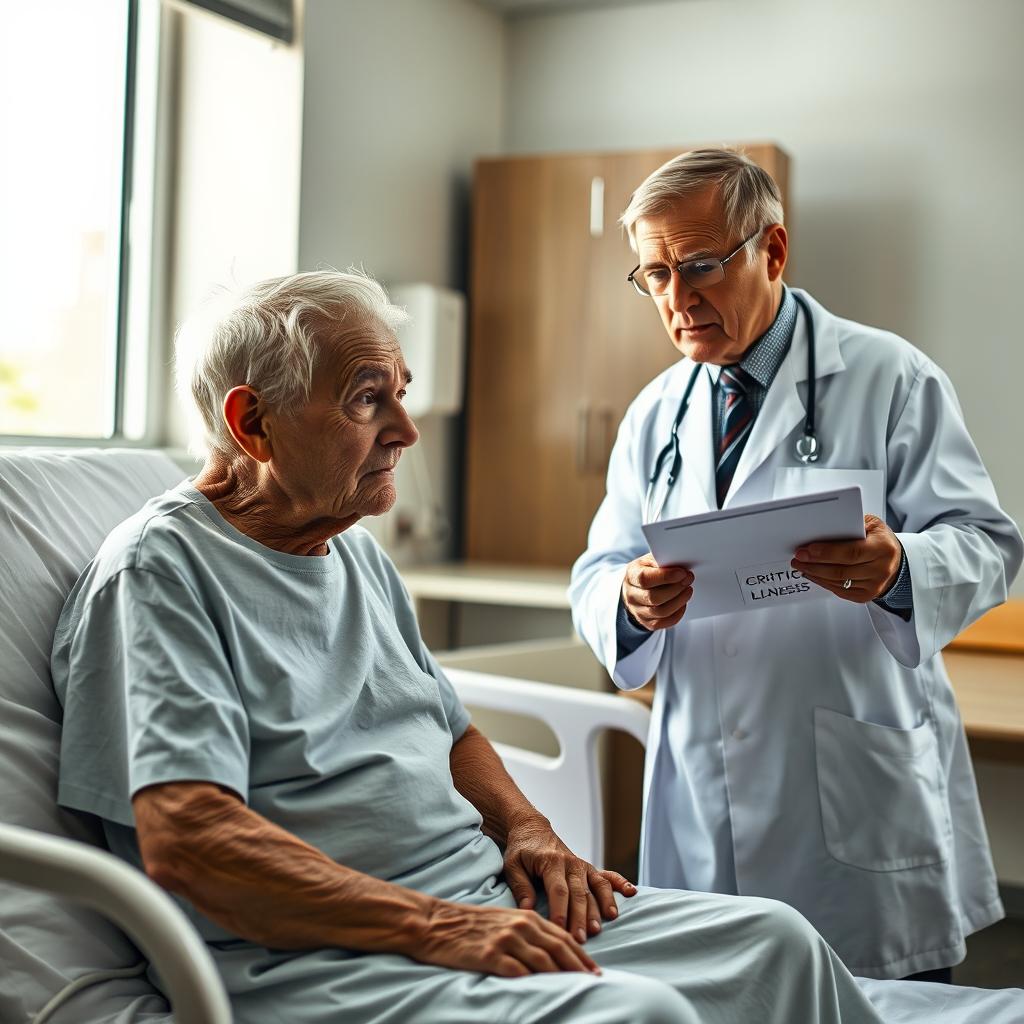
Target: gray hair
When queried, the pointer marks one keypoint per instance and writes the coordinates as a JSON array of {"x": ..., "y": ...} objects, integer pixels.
[
  {"x": 750, "y": 198},
  {"x": 268, "y": 336}
]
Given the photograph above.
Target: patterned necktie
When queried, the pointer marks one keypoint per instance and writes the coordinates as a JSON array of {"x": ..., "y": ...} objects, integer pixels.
[{"x": 739, "y": 417}]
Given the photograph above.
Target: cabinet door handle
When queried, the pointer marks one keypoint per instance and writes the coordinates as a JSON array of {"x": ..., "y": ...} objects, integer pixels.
[
  {"x": 596, "y": 207},
  {"x": 582, "y": 438}
]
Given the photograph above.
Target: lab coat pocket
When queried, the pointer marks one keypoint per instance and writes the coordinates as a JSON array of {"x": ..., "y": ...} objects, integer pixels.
[
  {"x": 791, "y": 481},
  {"x": 881, "y": 794}
]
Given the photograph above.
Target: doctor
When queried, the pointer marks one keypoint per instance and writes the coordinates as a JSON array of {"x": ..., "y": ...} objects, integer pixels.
[{"x": 811, "y": 753}]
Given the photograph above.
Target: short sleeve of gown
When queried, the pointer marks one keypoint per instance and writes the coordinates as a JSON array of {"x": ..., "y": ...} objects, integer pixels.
[{"x": 149, "y": 698}]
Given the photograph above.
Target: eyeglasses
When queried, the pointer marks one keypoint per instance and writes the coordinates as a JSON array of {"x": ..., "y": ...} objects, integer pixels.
[{"x": 698, "y": 273}]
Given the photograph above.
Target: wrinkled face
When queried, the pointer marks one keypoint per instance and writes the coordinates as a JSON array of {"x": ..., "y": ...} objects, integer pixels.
[
  {"x": 717, "y": 323},
  {"x": 336, "y": 456}
]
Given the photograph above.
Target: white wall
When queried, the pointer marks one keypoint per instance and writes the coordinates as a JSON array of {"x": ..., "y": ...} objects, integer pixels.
[
  {"x": 903, "y": 124},
  {"x": 238, "y": 118},
  {"x": 400, "y": 97}
]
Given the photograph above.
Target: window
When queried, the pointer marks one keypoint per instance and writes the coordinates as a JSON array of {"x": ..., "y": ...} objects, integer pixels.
[{"x": 67, "y": 77}]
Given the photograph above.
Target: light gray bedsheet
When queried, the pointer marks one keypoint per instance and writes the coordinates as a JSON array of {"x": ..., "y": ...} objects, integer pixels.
[{"x": 917, "y": 1002}]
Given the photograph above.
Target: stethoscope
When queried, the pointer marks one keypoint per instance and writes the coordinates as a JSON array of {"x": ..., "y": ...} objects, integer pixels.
[{"x": 808, "y": 448}]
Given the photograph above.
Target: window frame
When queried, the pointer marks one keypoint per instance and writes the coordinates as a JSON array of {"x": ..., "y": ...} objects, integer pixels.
[{"x": 137, "y": 382}]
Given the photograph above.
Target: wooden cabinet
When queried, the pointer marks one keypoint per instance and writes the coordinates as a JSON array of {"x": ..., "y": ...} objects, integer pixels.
[{"x": 560, "y": 344}]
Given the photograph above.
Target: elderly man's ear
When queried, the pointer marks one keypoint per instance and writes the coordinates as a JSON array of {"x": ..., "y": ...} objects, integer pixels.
[
  {"x": 778, "y": 248},
  {"x": 244, "y": 416}
]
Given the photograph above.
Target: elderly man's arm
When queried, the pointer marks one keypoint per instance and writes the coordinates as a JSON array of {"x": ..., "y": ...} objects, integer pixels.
[
  {"x": 264, "y": 884},
  {"x": 579, "y": 895}
]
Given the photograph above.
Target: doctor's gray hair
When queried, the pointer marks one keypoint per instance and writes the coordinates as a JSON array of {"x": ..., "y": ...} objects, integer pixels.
[
  {"x": 269, "y": 337},
  {"x": 750, "y": 198}
]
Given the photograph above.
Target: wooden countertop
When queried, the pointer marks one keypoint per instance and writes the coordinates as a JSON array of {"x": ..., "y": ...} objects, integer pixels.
[
  {"x": 485, "y": 583},
  {"x": 985, "y": 662},
  {"x": 1001, "y": 630},
  {"x": 989, "y": 688}
]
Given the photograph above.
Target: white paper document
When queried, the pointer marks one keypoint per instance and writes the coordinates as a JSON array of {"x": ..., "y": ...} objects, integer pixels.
[{"x": 740, "y": 557}]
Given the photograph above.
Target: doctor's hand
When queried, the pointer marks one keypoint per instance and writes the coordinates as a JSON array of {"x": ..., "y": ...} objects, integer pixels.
[
  {"x": 655, "y": 597},
  {"x": 871, "y": 565},
  {"x": 579, "y": 895}
]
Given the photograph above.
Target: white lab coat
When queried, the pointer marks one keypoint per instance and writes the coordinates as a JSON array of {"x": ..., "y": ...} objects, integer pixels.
[{"x": 815, "y": 753}]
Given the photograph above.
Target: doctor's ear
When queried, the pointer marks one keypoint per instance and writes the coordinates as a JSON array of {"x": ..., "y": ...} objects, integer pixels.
[
  {"x": 776, "y": 242},
  {"x": 244, "y": 416}
]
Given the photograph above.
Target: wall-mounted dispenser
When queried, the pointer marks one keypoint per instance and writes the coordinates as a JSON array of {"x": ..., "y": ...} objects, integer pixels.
[{"x": 433, "y": 344}]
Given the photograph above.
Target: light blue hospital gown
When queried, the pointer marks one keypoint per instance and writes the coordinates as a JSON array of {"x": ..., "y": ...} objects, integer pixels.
[{"x": 188, "y": 651}]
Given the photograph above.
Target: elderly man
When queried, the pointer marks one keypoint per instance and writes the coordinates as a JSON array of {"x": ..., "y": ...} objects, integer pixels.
[
  {"x": 810, "y": 751},
  {"x": 251, "y": 711}
]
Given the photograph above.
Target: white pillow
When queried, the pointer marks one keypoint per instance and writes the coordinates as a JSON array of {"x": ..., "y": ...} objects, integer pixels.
[{"x": 56, "y": 507}]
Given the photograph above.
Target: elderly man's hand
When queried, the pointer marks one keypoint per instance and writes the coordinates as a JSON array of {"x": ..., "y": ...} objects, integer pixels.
[
  {"x": 496, "y": 940},
  {"x": 579, "y": 895},
  {"x": 656, "y": 597},
  {"x": 871, "y": 564}
]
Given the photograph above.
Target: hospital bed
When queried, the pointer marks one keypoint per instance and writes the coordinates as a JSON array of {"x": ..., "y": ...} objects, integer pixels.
[{"x": 67, "y": 908}]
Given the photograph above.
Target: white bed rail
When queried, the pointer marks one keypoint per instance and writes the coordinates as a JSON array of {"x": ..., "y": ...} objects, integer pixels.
[
  {"x": 565, "y": 788},
  {"x": 99, "y": 880}
]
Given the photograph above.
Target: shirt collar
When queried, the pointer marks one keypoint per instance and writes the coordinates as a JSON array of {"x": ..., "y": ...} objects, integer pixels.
[{"x": 763, "y": 359}]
